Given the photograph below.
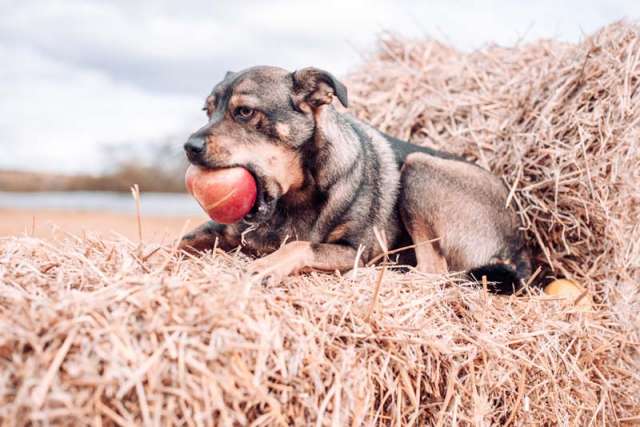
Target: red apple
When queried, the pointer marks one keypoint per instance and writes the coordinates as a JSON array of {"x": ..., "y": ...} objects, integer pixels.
[{"x": 227, "y": 195}]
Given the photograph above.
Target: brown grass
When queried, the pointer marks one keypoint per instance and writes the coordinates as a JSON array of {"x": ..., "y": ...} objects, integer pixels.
[
  {"x": 150, "y": 178},
  {"x": 52, "y": 224},
  {"x": 95, "y": 331}
]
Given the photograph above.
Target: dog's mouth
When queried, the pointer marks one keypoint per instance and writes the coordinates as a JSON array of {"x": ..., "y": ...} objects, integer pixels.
[{"x": 265, "y": 204}]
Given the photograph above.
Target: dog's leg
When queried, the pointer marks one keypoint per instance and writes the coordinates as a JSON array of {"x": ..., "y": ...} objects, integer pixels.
[
  {"x": 205, "y": 237},
  {"x": 428, "y": 258},
  {"x": 297, "y": 256},
  {"x": 421, "y": 201}
]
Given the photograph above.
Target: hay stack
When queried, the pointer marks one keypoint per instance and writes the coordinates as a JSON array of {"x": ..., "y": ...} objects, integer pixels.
[
  {"x": 560, "y": 123},
  {"x": 101, "y": 331}
]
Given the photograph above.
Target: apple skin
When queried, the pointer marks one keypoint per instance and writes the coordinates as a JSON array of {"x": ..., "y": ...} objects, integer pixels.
[
  {"x": 570, "y": 290},
  {"x": 226, "y": 195}
]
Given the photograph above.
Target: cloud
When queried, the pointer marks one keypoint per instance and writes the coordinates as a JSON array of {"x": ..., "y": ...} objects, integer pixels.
[
  {"x": 77, "y": 76},
  {"x": 56, "y": 117},
  {"x": 161, "y": 49}
]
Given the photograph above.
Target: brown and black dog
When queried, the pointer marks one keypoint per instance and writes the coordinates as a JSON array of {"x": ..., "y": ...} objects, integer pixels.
[{"x": 330, "y": 185}]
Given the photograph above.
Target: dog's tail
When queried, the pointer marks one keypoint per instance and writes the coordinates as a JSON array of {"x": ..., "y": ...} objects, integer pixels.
[{"x": 504, "y": 275}]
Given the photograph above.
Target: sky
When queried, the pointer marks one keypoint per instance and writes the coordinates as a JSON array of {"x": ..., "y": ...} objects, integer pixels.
[{"x": 79, "y": 77}]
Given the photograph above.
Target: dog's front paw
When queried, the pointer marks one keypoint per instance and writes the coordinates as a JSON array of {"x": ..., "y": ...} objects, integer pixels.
[
  {"x": 289, "y": 259},
  {"x": 185, "y": 244},
  {"x": 269, "y": 271}
]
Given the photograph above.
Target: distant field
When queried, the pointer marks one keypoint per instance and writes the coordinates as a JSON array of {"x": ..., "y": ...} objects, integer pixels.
[
  {"x": 152, "y": 203},
  {"x": 51, "y": 223},
  {"x": 148, "y": 178}
]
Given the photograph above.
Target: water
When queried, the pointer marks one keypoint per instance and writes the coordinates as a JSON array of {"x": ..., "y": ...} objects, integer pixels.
[{"x": 163, "y": 204}]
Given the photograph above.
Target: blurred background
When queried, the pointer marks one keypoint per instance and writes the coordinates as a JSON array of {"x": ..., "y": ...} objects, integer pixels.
[{"x": 98, "y": 95}]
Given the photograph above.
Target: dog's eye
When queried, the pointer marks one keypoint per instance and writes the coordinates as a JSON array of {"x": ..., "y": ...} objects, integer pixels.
[{"x": 243, "y": 113}]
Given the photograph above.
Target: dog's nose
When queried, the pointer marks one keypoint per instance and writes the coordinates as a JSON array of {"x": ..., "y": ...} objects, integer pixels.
[{"x": 194, "y": 146}]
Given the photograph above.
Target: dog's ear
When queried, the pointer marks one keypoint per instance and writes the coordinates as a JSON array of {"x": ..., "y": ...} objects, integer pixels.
[
  {"x": 229, "y": 74},
  {"x": 317, "y": 87}
]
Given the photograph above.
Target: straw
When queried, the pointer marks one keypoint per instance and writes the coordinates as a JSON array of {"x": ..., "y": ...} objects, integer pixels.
[{"x": 91, "y": 335}]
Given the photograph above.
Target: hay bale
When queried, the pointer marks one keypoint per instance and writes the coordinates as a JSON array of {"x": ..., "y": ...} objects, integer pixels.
[
  {"x": 97, "y": 330},
  {"x": 89, "y": 331},
  {"x": 560, "y": 123}
]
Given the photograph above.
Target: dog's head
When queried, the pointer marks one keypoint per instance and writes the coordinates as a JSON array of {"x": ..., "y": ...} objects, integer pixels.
[{"x": 262, "y": 119}]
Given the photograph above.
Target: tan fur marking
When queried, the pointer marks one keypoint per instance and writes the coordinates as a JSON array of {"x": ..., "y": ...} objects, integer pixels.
[
  {"x": 429, "y": 260},
  {"x": 243, "y": 101},
  {"x": 292, "y": 258},
  {"x": 289, "y": 259},
  {"x": 299, "y": 256},
  {"x": 283, "y": 129},
  {"x": 330, "y": 261},
  {"x": 337, "y": 233},
  {"x": 304, "y": 107}
]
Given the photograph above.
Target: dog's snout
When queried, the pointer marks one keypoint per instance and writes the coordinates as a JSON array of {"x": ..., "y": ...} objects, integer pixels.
[{"x": 194, "y": 147}]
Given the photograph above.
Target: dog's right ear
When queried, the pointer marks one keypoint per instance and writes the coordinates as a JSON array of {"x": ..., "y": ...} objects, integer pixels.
[{"x": 316, "y": 87}]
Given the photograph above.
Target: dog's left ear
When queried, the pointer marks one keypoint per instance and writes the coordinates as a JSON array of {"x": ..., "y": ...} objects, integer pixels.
[{"x": 317, "y": 87}]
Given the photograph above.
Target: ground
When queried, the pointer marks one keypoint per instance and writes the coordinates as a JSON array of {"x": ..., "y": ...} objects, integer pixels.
[{"x": 48, "y": 223}]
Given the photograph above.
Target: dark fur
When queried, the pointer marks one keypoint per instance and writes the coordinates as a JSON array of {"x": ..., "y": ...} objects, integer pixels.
[{"x": 326, "y": 180}]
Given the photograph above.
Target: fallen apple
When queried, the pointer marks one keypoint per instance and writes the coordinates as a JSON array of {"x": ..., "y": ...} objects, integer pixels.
[
  {"x": 571, "y": 291},
  {"x": 226, "y": 195}
]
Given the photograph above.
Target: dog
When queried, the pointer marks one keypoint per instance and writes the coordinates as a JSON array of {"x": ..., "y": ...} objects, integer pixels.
[{"x": 333, "y": 191}]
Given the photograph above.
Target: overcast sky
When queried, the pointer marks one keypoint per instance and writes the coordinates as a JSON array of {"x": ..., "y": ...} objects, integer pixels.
[{"x": 78, "y": 76}]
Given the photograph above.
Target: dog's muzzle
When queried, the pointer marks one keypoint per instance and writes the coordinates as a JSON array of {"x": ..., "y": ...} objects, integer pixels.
[{"x": 265, "y": 205}]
